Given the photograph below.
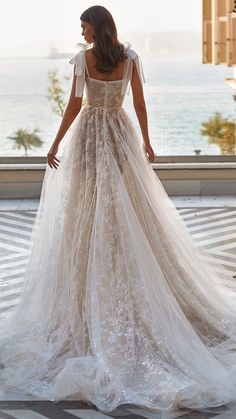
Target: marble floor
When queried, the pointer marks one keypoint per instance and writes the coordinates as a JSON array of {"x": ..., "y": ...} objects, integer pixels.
[
  {"x": 212, "y": 222},
  {"x": 74, "y": 409}
]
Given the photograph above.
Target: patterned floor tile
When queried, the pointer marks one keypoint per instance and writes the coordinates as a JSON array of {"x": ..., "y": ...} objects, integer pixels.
[
  {"x": 82, "y": 410},
  {"x": 214, "y": 230},
  {"x": 88, "y": 414},
  {"x": 23, "y": 414}
]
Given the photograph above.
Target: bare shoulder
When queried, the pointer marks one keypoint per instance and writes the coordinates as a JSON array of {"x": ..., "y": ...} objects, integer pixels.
[{"x": 89, "y": 53}]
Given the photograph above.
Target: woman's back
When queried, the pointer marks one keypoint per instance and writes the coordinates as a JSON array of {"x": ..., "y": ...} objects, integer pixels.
[{"x": 90, "y": 61}]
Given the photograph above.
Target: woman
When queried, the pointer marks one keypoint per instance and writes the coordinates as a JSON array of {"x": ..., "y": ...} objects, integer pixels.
[
  {"x": 118, "y": 304},
  {"x": 103, "y": 25}
]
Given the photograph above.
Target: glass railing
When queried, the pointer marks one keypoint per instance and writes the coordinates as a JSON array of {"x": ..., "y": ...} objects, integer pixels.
[
  {"x": 185, "y": 100},
  {"x": 191, "y": 123},
  {"x": 180, "y": 123}
]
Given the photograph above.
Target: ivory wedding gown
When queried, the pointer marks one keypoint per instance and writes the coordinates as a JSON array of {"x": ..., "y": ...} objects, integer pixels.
[{"x": 118, "y": 303}]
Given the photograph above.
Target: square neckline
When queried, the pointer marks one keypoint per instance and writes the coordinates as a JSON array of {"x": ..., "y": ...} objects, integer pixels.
[
  {"x": 101, "y": 81},
  {"x": 104, "y": 81}
]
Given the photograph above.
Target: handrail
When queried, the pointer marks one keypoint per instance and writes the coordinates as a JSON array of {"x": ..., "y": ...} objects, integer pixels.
[{"x": 155, "y": 166}]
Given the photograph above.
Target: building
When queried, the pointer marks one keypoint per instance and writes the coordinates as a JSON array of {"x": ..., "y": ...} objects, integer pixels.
[{"x": 219, "y": 32}]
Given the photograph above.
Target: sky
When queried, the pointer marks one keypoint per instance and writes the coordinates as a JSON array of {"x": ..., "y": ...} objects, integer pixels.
[{"x": 29, "y": 27}]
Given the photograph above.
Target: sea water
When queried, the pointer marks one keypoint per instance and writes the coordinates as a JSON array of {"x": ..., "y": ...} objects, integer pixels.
[{"x": 180, "y": 92}]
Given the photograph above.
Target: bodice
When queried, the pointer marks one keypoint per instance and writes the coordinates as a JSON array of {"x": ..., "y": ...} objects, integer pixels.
[
  {"x": 105, "y": 94},
  {"x": 100, "y": 93}
]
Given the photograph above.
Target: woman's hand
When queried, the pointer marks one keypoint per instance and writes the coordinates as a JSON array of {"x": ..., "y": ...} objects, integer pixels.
[
  {"x": 51, "y": 159},
  {"x": 149, "y": 152}
]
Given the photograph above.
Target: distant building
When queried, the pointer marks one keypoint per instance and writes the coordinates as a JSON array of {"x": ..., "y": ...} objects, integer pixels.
[
  {"x": 165, "y": 43},
  {"x": 54, "y": 54},
  {"x": 219, "y": 32}
]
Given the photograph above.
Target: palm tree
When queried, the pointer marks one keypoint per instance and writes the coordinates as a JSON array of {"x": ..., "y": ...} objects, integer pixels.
[
  {"x": 26, "y": 139},
  {"x": 220, "y": 131}
]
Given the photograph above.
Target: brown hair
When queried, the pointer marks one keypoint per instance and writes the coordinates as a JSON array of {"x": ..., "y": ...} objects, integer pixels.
[{"x": 107, "y": 50}]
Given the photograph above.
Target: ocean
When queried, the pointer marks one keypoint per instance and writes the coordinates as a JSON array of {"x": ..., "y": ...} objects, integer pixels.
[{"x": 180, "y": 94}]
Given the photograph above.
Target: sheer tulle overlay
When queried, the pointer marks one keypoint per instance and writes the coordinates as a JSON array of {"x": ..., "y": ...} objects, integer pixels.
[{"x": 119, "y": 304}]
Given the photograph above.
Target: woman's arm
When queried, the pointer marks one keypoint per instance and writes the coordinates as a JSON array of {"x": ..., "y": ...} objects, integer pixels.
[
  {"x": 72, "y": 109},
  {"x": 141, "y": 111}
]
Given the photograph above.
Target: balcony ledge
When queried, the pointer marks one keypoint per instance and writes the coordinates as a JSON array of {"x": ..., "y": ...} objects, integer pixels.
[
  {"x": 24, "y": 180},
  {"x": 155, "y": 166}
]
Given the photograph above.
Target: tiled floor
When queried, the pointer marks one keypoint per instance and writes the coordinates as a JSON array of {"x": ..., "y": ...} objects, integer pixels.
[{"x": 212, "y": 223}]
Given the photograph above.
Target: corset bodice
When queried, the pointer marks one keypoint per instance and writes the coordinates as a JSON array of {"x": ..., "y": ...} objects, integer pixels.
[{"x": 105, "y": 94}]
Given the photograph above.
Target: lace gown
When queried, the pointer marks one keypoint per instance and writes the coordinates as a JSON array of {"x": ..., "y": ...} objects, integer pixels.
[{"x": 118, "y": 303}]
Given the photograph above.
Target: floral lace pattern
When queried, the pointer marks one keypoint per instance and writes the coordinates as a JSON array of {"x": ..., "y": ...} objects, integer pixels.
[{"x": 118, "y": 303}]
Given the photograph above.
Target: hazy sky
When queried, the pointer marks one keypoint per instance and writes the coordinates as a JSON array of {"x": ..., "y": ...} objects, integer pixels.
[{"x": 29, "y": 27}]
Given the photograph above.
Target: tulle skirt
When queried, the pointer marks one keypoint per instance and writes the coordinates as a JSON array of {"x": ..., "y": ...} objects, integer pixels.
[{"x": 118, "y": 304}]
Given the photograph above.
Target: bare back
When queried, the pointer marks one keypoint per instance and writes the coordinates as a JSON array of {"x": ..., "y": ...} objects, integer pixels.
[{"x": 116, "y": 74}]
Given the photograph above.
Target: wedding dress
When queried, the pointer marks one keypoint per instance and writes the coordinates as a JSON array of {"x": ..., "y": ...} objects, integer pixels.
[{"x": 118, "y": 305}]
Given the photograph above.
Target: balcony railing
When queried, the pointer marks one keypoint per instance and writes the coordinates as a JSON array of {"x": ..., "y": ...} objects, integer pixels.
[{"x": 175, "y": 118}]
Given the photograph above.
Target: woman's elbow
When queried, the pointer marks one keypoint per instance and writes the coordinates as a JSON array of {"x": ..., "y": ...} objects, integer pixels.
[
  {"x": 75, "y": 104},
  {"x": 139, "y": 106}
]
